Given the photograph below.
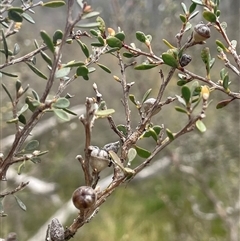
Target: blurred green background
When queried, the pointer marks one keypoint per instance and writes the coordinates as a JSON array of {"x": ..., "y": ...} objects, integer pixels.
[{"x": 169, "y": 205}]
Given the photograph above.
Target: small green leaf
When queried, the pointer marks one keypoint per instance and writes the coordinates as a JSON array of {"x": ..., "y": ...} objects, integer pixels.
[
  {"x": 104, "y": 113},
  {"x": 145, "y": 96},
  {"x": 20, "y": 203},
  {"x": 94, "y": 32},
  {"x": 90, "y": 15},
  {"x": 128, "y": 55},
  {"x": 101, "y": 25},
  {"x": 47, "y": 40},
  {"x": 223, "y": 103},
  {"x": 31, "y": 146},
  {"x": 141, "y": 36},
  {"x": 69, "y": 111},
  {"x": 221, "y": 45},
  {"x": 53, "y": 4},
  {"x": 6, "y": 90},
  {"x": 8, "y": 74},
  {"x": 23, "y": 109},
  {"x": 20, "y": 168},
  {"x": 62, "y": 72},
  {"x": 153, "y": 134},
  {"x": 94, "y": 44},
  {"x": 142, "y": 152},
  {"x": 157, "y": 129},
  {"x": 61, "y": 114},
  {"x": 180, "y": 109},
  {"x": 46, "y": 58},
  {"x": 145, "y": 66},
  {"x": 170, "y": 134},
  {"x": 192, "y": 7},
  {"x": 82, "y": 71},
  {"x": 58, "y": 34},
  {"x": 5, "y": 46},
  {"x": 74, "y": 64},
  {"x": 209, "y": 16},
  {"x": 28, "y": 18},
  {"x": 120, "y": 36},
  {"x": 105, "y": 68},
  {"x": 16, "y": 49},
  {"x": 184, "y": 7},
  {"x": 114, "y": 42},
  {"x": 84, "y": 48},
  {"x": 188, "y": 27},
  {"x": 168, "y": 44},
  {"x": 186, "y": 94},
  {"x": 101, "y": 40},
  {"x": 14, "y": 15},
  {"x": 198, "y": 2},
  {"x": 131, "y": 155},
  {"x": 37, "y": 71},
  {"x": 18, "y": 85},
  {"x": 182, "y": 18},
  {"x": 85, "y": 77},
  {"x": 91, "y": 69},
  {"x": 226, "y": 81},
  {"x": 181, "y": 100},
  {"x": 206, "y": 57},
  {"x": 133, "y": 99},
  {"x": 61, "y": 103},
  {"x": 122, "y": 128},
  {"x": 168, "y": 59},
  {"x": 88, "y": 25},
  {"x": 22, "y": 119},
  {"x": 193, "y": 15},
  {"x": 181, "y": 82},
  {"x": 35, "y": 95},
  {"x": 200, "y": 126}
]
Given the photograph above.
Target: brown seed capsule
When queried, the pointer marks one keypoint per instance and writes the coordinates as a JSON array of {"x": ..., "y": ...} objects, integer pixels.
[
  {"x": 201, "y": 32},
  {"x": 185, "y": 60},
  {"x": 84, "y": 197}
]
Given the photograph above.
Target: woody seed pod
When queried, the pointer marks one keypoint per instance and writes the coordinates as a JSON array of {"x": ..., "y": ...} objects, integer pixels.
[
  {"x": 84, "y": 197},
  {"x": 201, "y": 32}
]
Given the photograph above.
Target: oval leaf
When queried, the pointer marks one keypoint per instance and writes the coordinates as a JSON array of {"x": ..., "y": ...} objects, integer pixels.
[
  {"x": 20, "y": 203},
  {"x": 104, "y": 113},
  {"x": 105, "y": 68},
  {"x": 61, "y": 103},
  {"x": 186, "y": 93},
  {"x": 31, "y": 145},
  {"x": 223, "y": 103},
  {"x": 200, "y": 125},
  {"x": 47, "y": 40},
  {"x": 53, "y": 4},
  {"x": 131, "y": 155},
  {"x": 58, "y": 34},
  {"x": 37, "y": 71},
  {"x": 61, "y": 114},
  {"x": 170, "y": 134},
  {"x": 114, "y": 42},
  {"x": 14, "y": 15},
  {"x": 209, "y": 16},
  {"x": 28, "y": 18},
  {"x": 82, "y": 71},
  {"x": 169, "y": 60},
  {"x": 62, "y": 72},
  {"x": 84, "y": 48},
  {"x": 145, "y": 66},
  {"x": 142, "y": 152},
  {"x": 141, "y": 36}
]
